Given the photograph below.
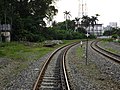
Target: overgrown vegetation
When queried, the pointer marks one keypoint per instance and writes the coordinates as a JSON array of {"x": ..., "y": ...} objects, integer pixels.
[
  {"x": 26, "y": 18},
  {"x": 26, "y": 51},
  {"x": 114, "y": 32}
]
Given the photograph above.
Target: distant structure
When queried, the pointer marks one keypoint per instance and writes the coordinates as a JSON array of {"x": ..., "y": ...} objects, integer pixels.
[
  {"x": 82, "y": 8},
  {"x": 110, "y": 26},
  {"x": 113, "y": 24},
  {"x": 97, "y": 31}
]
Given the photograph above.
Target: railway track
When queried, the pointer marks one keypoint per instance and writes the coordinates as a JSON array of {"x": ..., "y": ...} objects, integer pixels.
[
  {"x": 53, "y": 75},
  {"x": 112, "y": 56}
]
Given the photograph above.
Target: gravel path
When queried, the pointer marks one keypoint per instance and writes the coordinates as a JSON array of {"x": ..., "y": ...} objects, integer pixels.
[
  {"x": 26, "y": 78},
  {"x": 99, "y": 74},
  {"x": 112, "y": 46}
]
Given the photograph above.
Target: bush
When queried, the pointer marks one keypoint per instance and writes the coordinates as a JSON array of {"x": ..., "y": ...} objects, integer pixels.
[{"x": 114, "y": 36}]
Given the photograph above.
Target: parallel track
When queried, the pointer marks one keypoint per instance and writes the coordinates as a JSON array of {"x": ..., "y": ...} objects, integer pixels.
[
  {"x": 105, "y": 52},
  {"x": 53, "y": 75}
]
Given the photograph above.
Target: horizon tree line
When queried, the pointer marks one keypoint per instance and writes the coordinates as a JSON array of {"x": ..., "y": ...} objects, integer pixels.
[{"x": 85, "y": 21}]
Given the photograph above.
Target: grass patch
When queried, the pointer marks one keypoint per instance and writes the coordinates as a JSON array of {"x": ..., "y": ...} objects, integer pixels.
[
  {"x": 26, "y": 51},
  {"x": 90, "y": 70},
  {"x": 80, "y": 52},
  {"x": 112, "y": 50},
  {"x": 105, "y": 43}
]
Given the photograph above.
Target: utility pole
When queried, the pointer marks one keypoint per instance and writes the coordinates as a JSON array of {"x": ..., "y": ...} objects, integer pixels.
[
  {"x": 87, "y": 48},
  {"x": 0, "y": 32}
]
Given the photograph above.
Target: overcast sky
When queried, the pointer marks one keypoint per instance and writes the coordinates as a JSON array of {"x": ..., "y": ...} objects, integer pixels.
[{"x": 107, "y": 9}]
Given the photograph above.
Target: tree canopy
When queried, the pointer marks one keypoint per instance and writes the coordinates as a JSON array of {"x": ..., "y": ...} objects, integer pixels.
[{"x": 26, "y": 16}]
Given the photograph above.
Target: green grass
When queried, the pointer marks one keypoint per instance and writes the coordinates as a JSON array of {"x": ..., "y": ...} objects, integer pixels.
[
  {"x": 89, "y": 70},
  {"x": 22, "y": 52},
  {"x": 80, "y": 52},
  {"x": 112, "y": 50},
  {"x": 27, "y": 52}
]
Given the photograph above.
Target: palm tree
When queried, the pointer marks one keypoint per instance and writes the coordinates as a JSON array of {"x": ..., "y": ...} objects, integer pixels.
[
  {"x": 67, "y": 16},
  {"x": 93, "y": 22},
  {"x": 77, "y": 22},
  {"x": 85, "y": 21}
]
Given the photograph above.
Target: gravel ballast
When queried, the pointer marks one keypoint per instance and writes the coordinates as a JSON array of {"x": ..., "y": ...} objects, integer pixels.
[
  {"x": 99, "y": 74},
  {"x": 110, "y": 46},
  {"x": 25, "y": 79}
]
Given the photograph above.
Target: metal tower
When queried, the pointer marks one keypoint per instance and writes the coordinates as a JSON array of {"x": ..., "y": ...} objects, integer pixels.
[{"x": 82, "y": 8}]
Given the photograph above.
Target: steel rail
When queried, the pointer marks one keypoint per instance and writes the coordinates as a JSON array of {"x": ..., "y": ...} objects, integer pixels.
[
  {"x": 42, "y": 72},
  {"x": 64, "y": 68},
  {"x": 104, "y": 52}
]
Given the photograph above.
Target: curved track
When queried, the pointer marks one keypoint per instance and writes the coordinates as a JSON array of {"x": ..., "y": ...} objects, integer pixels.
[
  {"x": 53, "y": 75},
  {"x": 105, "y": 52}
]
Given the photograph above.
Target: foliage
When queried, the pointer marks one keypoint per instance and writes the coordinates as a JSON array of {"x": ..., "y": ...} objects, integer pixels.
[
  {"x": 115, "y": 36},
  {"x": 27, "y": 50},
  {"x": 93, "y": 20},
  {"x": 85, "y": 21},
  {"x": 67, "y": 16},
  {"x": 60, "y": 31},
  {"x": 27, "y": 17},
  {"x": 77, "y": 23},
  {"x": 89, "y": 21},
  {"x": 113, "y": 32},
  {"x": 107, "y": 33}
]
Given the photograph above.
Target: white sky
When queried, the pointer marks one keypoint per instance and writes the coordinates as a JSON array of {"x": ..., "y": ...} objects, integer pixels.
[{"x": 107, "y": 9}]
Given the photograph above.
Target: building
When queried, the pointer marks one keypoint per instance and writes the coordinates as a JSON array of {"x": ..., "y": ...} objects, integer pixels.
[
  {"x": 113, "y": 24},
  {"x": 97, "y": 31},
  {"x": 108, "y": 27}
]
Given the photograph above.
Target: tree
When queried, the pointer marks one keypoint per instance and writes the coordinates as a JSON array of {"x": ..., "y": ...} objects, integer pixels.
[
  {"x": 54, "y": 23},
  {"x": 112, "y": 31},
  {"x": 89, "y": 21},
  {"x": 27, "y": 16},
  {"x": 93, "y": 21},
  {"x": 85, "y": 21},
  {"x": 71, "y": 25},
  {"x": 67, "y": 16},
  {"x": 50, "y": 13},
  {"x": 77, "y": 22}
]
